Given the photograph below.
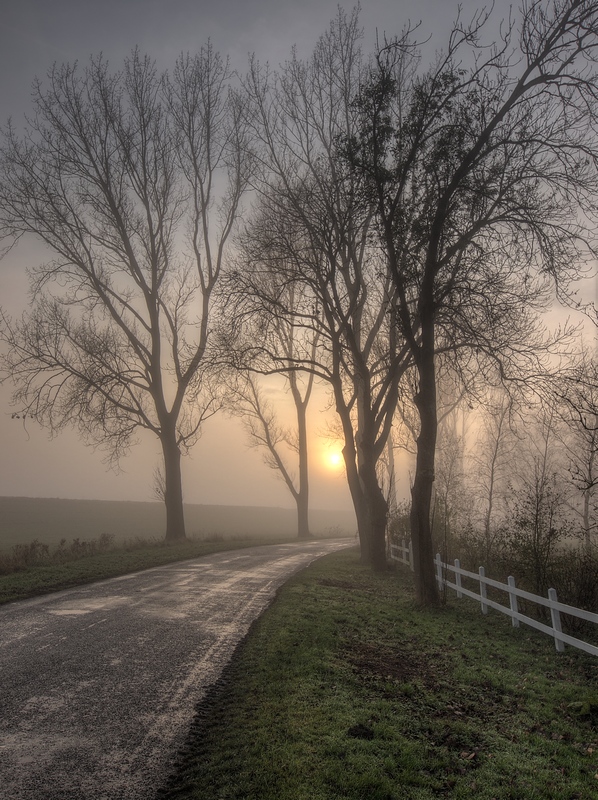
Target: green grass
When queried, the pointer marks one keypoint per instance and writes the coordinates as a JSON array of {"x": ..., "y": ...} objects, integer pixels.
[
  {"x": 42, "y": 578},
  {"x": 344, "y": 689}
]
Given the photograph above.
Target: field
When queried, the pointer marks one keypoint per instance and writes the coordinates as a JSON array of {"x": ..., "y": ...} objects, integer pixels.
[
  {"x": 344, "y": 690},
  {"x": 49, "y": 520}
]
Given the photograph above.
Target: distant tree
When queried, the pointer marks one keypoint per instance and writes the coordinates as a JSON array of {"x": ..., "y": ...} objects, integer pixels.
[
  {"x": 117, "y": 173},
  {"x": 450, "y": 509},
  {"x": 264, "y": 430},
  {"x": 476, "y": 175},
  {"x": 494, "y": 459},
  {"x": 539, "y": 505},
  {"x": 289, "y": 343},
  {"x": 577, "y": 393}
]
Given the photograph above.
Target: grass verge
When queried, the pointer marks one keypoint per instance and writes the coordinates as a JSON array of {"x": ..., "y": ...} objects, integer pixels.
[
  {"x": 39, "y": 579},
  {"x": 344, "y": 689}
]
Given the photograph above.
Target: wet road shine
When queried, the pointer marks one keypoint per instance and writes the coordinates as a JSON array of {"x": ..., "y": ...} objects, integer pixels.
[{"x": 98, "y": 685}]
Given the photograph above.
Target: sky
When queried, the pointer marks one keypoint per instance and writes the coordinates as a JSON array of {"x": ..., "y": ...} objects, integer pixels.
[{"x": 36, "y": 33}]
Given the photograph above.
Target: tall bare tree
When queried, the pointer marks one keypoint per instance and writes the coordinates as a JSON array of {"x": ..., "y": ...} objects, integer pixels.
[
  {"x": 117, "y": 173},
  {"x": 311, "y": 228},
  {"x": 477, "y": 174}
]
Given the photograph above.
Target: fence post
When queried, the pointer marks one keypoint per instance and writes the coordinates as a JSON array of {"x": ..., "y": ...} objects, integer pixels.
[
  {"x": 458, "y": 578},
  {"x": 483, "y": 595},
  {"x": 438, "y": 570},
  {"x": 411, "y": 556},
  {"x": 556, "y": 620},
  {"x": 513, "y": 601}
]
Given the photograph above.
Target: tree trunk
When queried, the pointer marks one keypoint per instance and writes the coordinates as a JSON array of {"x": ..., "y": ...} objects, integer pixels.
[
  {"x": 303, "y": 531},
  {"x": 359, "y": 504},
  {"x": 392, "y": 478},
  {"x": 587, "y": 528},
  {"x": 371, "y": 511},
  {"x": 173, "y": 487},
  {"x": 360, "y": 516},
  {"x": 421, "y": 493},
  {"x": 376, "y": 507}
]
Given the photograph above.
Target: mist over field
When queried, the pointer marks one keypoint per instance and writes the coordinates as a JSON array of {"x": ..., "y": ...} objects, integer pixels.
[{"x": 23, "y": 519}]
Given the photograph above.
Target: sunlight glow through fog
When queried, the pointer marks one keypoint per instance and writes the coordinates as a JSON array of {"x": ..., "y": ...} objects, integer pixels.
[{"x": 222, "y": 469}]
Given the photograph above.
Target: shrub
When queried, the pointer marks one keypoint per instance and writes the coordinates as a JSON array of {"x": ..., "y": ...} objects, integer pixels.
[{"x": 35, "y": 553}]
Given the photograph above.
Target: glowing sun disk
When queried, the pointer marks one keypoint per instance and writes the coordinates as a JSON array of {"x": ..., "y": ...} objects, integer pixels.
[{"x": 335, "y": 459}]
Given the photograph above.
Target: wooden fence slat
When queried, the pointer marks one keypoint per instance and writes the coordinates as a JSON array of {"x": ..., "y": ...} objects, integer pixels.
[
  {"x": 513, "y": 601},
  {"x": 556, "y": 620},
  {"x": 458, "y": 577},
  {"x": 439, "y": 578},
  {"x": 483, "y": 592}
]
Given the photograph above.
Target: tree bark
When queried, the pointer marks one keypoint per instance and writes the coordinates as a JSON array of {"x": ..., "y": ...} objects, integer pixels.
[
  {"x": 371, "y": 511},
  {"x": 392, "y": 478},
  {"x": 303, "y": 531},
  {"x": 173, "y": 487},
  {"x": 421, "y": 492},
  {"x": 376, "y": 507},
  {"x": 359, "y": 504},
  {"x": 302, "y": 498}
]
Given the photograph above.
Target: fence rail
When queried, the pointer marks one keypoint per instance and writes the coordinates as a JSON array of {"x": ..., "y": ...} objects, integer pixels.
[{"x": 403, "y": 553}]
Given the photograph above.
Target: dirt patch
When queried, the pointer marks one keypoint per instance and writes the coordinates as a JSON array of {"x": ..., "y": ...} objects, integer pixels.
[
  {"x": 386, "y": 663},
  {"x": 341, "y": 584}
]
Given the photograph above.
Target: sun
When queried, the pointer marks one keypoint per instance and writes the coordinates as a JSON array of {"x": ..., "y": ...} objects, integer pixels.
[{"x": 334, "y": 459}]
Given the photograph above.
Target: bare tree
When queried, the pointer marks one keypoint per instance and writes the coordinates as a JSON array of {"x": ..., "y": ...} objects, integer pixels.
[
  {"x": 264, "y": 430},
  {"x": 494, "y": 460},
  {"x": 117, "y": 174},
  {"x": 288, "y": 343},
  {"x": 449, "y": 490},
  {"x": 477, "y": 174},
  {"x": 540, "y": 507},
  {"x": 577, "y": 392},
  {"x": 311, "y": 229}
]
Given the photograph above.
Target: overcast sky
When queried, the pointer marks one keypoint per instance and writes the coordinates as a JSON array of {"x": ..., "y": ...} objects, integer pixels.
[{"x": 36, "y": 33}]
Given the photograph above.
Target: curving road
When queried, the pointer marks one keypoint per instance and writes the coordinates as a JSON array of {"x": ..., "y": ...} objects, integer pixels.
[{"x": 98, "y": 685}]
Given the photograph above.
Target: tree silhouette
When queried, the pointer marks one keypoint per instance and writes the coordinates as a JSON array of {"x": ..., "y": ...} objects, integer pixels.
[
  {"x": 116, "y": 173},
  {"x": 482, "y": 178}
]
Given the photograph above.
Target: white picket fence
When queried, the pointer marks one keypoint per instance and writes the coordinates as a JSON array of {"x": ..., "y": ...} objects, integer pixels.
[{"x": 404, "y": 554}]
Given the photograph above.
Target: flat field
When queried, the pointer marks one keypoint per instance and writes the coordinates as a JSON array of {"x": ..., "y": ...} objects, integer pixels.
[{"x": 23, "y": 519}]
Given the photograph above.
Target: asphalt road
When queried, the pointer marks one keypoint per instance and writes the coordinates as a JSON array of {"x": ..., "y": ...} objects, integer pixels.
[{"x": 98, "y": 684}]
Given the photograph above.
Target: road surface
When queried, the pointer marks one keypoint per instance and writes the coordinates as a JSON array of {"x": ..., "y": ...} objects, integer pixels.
[{"x": 98, "y": 684}]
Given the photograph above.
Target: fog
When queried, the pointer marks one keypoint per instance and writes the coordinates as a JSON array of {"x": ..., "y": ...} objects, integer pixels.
[{"x": 34, "y": 34}]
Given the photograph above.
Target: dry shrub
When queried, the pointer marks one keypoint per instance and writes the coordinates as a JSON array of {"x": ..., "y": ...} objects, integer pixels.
[{"x": 35, "y": 553}]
